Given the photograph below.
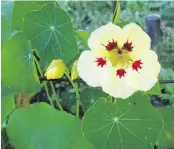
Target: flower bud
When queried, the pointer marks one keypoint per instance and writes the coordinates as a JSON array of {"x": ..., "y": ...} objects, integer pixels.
[
  {"x": 74, "y": 72},
  {"x": 55, "y": 70}
]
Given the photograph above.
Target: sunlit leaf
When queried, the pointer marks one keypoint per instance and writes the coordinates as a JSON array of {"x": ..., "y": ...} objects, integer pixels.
[
  {"x": 50, "y": 31},
  {"x": 18, "y": 67},
  {"x": 21, "y": 8},
  {"x": 41, "y": 126},
  {"x": 166, "y": 137},
  {"x": 127, "y": 124}
]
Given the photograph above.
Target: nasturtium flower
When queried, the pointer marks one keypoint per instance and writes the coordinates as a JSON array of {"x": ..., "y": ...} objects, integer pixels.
[
  {"x": 55, "y": 70},
  {"x": 119, "y": 60}
]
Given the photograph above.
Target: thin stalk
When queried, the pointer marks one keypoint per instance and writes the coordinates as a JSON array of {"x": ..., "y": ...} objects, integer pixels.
[
  {"x": 57, "y": 97},
  {"x": 74, "y": 85},
  {"x": 45, "y": 84}
]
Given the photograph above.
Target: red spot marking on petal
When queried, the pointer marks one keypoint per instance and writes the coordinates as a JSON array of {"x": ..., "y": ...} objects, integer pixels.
[
  {"x": 137, "y": 65},
  {"x": 128, "y": 46},
  {"x": 100, "y": 62},
  {"x": 111, "y": 45},
  {"x": 121, "y": 73}
]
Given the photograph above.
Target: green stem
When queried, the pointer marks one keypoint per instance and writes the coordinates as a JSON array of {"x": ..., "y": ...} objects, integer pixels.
[
  {"x": 57, "y": 97},
  {"x": 110, "y": 98},
  {"x": 46, "y": 87},
  {"x": 75, "y": 86}
]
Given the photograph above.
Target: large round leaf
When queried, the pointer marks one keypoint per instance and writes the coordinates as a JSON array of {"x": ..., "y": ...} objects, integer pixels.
[
  {"x": 127, "y": 124},
  {"x": 18, "y": 68},
  {"x": 51, "y": 33},
  {"x": 166, "y": 137},
  {"x": 22, "y": 8},
  {"x": 40, "y": 126}
]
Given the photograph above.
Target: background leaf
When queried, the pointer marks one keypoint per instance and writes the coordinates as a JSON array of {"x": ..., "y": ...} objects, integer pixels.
[
  {"x": 128, "y": 124},
  {"x": 18, "y": 67},
  {"x": 41, "y": 126},
  {"x": 22, "y": 8},
  {"x": 50, "y": 31},
  {"x": 166, "y": 137}
]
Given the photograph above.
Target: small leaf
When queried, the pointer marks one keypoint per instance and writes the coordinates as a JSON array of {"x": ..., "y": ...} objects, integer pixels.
[
  {"x": 127, "y": 124},
  {"x": 51, "y": 33},
  {"x": 8, "y": 105},
  {"x": 82, "y": 35},
  {"x": 18, "y": 67},
  {"x": 117, "y": 12},
  {"x": 166, "y": 137},
  {"x": 90, "y": 95},
  {"x": 74, "y": 72},
  {"x": 22, "y": 8},
  {"x": 155, "y": 90},
  {"x": 42, "y": 126}
]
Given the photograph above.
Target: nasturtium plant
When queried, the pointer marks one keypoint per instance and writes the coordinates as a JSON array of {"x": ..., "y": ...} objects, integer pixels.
[
  {"x": 58, "y": 94},
  {"x": 50, "y": 32},
  {"x": 131, "y": 123}
]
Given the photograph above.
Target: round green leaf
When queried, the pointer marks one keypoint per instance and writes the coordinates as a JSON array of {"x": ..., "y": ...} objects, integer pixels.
[
  {"x": 90, "y": 95},
  {"x": 8, "y": 105},
  {"x": 18, "y": 67},
  {"x": 50, "y": 31},
  {"x": 40, "y": 126},
  {"x": 22, "y": 8},
  {"x": 127, "y": 124},
  {"x": 166, "y": 137}
]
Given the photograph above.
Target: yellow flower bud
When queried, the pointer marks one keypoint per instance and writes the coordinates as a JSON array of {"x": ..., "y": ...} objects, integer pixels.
[
  {"x": 74, "y": 72},
  {"x": 55, "y": 70}
]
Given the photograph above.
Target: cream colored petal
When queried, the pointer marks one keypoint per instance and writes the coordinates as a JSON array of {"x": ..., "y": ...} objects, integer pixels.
[
  {"x": 99, "y": 38},
  {"x": 146, "y": 77},
  {"x": 140, "y": 40},
  {"x": 115, "y": 86},
  {"x": 88, "y": 69}
]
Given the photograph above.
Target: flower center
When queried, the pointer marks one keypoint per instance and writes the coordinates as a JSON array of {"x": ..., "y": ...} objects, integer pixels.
[{"x": 119, "y": 57}]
